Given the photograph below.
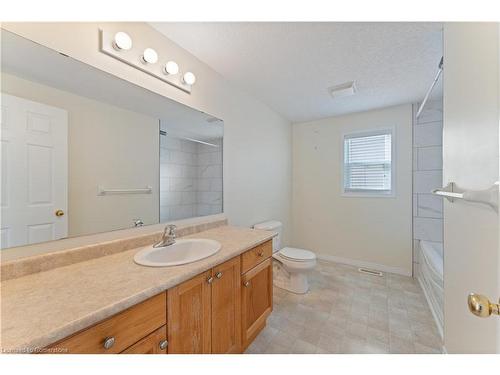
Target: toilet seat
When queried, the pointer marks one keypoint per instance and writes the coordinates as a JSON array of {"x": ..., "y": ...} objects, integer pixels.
[{"x": 297, "y": 255}]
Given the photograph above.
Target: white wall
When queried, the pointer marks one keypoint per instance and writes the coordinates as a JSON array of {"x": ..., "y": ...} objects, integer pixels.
[
  {"x": 374, "y": 232},
  {"x": 257, "y": 141},
  {"x": 99, "y": 139}
]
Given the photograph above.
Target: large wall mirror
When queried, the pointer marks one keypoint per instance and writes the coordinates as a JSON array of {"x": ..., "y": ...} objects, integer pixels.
[{"x": 85, "y": 152}]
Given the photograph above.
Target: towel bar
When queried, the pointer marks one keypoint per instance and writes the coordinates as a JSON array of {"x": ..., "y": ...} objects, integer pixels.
[{"x": 103, "y": 191}]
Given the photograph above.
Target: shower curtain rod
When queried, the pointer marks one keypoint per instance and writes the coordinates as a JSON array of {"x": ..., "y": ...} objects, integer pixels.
[
  {"x": 440, "y": 70},
  {"x": 164, "y": 133}
]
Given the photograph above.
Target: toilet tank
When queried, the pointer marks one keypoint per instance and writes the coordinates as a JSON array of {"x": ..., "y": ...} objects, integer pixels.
[{"x": 274, "y": 226}]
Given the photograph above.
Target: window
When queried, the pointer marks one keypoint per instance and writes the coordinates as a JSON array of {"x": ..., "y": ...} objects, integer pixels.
[{"x": 368, "y": 166}]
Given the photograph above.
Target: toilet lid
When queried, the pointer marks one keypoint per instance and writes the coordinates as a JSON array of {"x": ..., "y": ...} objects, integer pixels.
[{"x": 297, "y": 254}]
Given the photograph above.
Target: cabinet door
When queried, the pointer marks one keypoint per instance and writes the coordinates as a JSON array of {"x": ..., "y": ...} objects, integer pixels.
[
  {"x": 189, "y": 316},
  {"x": 257, "y": 300},
  {"x": 154, "y": 343},
  {"x": 226, "y": 307}
]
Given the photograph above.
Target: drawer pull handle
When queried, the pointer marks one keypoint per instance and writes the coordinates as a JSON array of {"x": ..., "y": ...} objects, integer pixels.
[
  {"x": 163, "y": 344},
  {"x": 109, "y": 342},
  {"x": 247, "y": 284},
  {"x": 218, "y": 275},
  {"x": 210, "y": 279}
]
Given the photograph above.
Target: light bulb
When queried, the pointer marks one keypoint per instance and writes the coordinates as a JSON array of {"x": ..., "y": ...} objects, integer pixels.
[
  {"x": 122, "y": 41},
  {"x": 149, "y": 56},
  {"x": 189, "y": 78},
  {"x": 171, "y": 67}
]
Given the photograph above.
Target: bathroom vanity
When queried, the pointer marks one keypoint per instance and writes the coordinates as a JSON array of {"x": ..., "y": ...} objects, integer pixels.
[{"x": 216, "y": 305}]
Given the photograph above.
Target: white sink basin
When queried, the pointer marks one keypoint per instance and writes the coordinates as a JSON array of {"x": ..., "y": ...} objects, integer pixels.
[{"x": 181, "y": 252}]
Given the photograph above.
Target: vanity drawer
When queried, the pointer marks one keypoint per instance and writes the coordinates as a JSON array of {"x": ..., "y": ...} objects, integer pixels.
[
  {"x": 257, "y": 255},
  {"x": 121, "y": 331}
]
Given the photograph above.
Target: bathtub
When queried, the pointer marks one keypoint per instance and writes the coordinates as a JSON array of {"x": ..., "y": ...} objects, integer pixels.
[{"x": 430, "y": 277}]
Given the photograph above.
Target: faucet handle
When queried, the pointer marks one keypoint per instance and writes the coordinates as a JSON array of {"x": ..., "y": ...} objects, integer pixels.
[{"x": 170, "y": 229}]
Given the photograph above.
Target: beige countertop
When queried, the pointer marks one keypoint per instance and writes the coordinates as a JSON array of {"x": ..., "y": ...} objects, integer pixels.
[{"x": 42, "y": 308}]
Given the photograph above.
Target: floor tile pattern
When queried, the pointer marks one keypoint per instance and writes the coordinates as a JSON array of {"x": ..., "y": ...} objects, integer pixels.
[{"x": 346, "y": 312}]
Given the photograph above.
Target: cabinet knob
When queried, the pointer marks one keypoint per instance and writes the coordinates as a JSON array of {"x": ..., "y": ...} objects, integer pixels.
[
  {"x": 218, "y": 275},
  {"x": 163, "y": 344},
  {"x": 261, "y": 254},
  {"x": 109, "y": 342},
  {"x": 246, "y": 284},
  {"x": 210, "y": 279}
]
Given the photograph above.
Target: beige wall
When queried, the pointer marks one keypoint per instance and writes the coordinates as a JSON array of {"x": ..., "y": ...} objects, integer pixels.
[
  {"x": 99, "y": 153},
  {"x": 257, "y": 141},
  {"x": 373, "y": 232}
]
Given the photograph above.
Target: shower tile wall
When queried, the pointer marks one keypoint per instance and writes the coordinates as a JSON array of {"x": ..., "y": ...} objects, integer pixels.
[
  {"x": 427, "y": 175},
  {"x": 209, "y": 182},
  {"x": 190, "y": 179}
]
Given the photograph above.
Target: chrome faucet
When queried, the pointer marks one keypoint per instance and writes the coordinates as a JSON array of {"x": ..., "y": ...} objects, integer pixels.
[
  {"x": 168, "y": 237},
  {"x": 138, "y": 223}
]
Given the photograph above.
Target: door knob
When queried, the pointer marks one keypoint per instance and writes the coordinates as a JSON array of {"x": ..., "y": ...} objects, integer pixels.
[
  {"x": 59, "y": 213},
  {"x": 481, "y": 306}
]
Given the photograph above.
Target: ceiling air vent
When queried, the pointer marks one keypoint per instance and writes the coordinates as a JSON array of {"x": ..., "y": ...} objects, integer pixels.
[{"x": 342, "y": 90}]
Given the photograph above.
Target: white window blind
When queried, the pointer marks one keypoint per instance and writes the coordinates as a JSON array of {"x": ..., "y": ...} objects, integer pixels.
[{"x": 368, "y": 162}]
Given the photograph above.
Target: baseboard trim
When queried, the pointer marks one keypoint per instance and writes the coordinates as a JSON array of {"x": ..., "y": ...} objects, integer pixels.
[{"x": 359, "y": 263}]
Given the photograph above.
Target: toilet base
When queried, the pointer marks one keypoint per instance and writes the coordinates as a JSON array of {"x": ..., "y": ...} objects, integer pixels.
[{"x": 295, "y": 282}]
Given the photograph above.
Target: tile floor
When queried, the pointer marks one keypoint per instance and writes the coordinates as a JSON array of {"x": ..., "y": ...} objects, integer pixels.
[{"x": 349, "y": 312}]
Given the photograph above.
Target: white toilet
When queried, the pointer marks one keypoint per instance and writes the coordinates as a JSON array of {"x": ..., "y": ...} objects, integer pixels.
[{"x": 291, "y": 265}]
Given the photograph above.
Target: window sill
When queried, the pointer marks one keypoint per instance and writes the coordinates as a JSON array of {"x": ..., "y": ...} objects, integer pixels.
[{"x": 367, "y": 194}]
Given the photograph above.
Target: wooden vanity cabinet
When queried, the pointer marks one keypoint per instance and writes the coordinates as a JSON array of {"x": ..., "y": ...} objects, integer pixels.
[
  {"x": 258, "y": 254},
  {"x": 219, "y": 311},
  {"x": 118, "y": 333},
  {"x": 226, "y": 308},
  {"x": 204, "y": 313},
  {"x": 154, "y": 343},
  {"x": 189, "y": 316},
  {"x": 257, "y": 300}
]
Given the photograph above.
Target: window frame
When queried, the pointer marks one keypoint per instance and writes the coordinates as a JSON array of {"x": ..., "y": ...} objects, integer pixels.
[{"x": 369, "y": 193}]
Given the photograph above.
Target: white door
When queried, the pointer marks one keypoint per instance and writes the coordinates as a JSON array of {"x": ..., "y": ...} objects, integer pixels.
[
  {"x": 34, "y": 172},
  {"x": 471, "y": 160}
]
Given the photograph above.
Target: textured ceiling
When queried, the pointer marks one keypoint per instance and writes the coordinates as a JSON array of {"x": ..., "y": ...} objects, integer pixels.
[{"x": 290, "y": 66}]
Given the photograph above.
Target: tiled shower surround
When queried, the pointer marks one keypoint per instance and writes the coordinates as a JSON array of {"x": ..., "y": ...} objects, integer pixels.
[
  {"x": 190, "y": 178},
  {"x": 427, "y": 175}
]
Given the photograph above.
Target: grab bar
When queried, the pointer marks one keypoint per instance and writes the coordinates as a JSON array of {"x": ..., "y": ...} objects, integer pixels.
[
  {"x": 488, "y": 196},
  {"x": 103, "y": 191}
]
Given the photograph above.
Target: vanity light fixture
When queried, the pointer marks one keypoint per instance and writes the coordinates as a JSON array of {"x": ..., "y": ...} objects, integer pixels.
[
  {"x": 149, "y": 56},
  {"x": 146, "y": 59},
  {"x": 189, "y": 78},
  {"x": 122, "y": 41},
  {"x": 171, "y": 67}
]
